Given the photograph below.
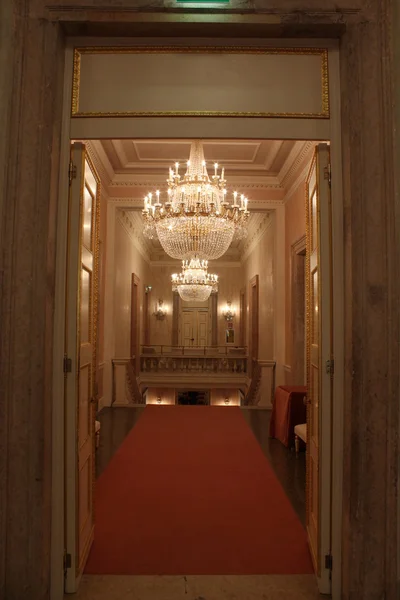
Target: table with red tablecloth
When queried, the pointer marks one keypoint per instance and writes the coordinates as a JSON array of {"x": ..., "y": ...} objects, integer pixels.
[{"x": 289, "y": 410}]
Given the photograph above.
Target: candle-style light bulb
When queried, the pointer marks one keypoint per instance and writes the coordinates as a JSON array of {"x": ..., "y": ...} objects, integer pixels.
[
  {"x": 150, "y": 196},
  {"x": 215, "y": 167},
  {"x": 242, "y": 200},
  {"x": 158, "y": 196},
  {"x": 222, "y": 174},
  {"x": 245, "y": 203},
  {"x": 234, "y": 198},
  {"x": 176, "y": 167},
  {"x": 145, "y": 203}
]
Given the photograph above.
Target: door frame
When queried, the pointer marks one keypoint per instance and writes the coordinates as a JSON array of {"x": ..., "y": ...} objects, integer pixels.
[
  {"x": 135, "y": 321},
  {"x": 254, "y": 321},
  {"x": 197, "y": 309},
  {"x": 298, "y": 250},
  {"x": 179, "y": 128}
]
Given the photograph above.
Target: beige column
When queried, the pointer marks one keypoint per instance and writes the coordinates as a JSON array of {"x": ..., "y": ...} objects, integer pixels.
[{"x": 30, "y": 118}]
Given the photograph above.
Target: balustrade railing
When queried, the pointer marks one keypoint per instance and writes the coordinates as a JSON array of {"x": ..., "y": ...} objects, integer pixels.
[
  {"x": 125, "y": 389},
  {"x": 193, "y": 359},
  {"x": 194, "y": 364},
  {"x": 214, "y": 351}
]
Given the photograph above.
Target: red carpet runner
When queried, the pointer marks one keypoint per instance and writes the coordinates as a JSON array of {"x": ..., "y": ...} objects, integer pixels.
[{"x": 190, "y": 492}]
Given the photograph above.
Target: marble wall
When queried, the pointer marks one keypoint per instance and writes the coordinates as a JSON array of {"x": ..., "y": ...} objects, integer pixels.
[
  {"x": 231, "y": 281},
  {"x": 218, "y": 397},
  {"x": 261, "y": 262},
  {"x": 159, "y": 278},
  {"x": 127, "y": 260}
]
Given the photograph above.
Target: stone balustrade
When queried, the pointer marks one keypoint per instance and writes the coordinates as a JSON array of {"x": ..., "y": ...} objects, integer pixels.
[{"x": 194, "y": 364}]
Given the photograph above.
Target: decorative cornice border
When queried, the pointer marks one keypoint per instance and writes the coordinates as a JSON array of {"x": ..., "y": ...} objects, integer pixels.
[
  {"x": 256, "y": 238},
  {"x": 289, "y": 173},
  {"x": 134, "y": 183},
  {"x": 99, "y": 165},
  {"x": 301, "y": 178},
  {"x": 129, "y": 228}
]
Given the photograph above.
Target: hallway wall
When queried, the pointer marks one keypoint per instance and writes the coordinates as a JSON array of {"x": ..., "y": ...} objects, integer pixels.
[
  {"x": 230, "y": 282},
  {"x": 127, "y": 260},
  {"x": 261, "y": 262},
  {"x": 159, "y": 278}
]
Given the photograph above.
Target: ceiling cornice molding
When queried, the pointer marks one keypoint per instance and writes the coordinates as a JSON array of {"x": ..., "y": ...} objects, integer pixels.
[
  {"x": 268, "y": 183},
  {"x": 135, "y": 237},
  {"x": 290, "y": 160},
  {"x": 276, "y": 146},
  {"x": 101, "y": 162},
  {"x": 253, "y": 240},
  {"x": 301, "y": 179},
  {"x": 292, "y": 173}
]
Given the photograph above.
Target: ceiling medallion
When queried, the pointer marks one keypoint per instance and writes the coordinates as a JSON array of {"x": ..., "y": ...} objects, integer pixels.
[
  {"x": 194, "y": 282},
  {"x": 196, "y": 221}
]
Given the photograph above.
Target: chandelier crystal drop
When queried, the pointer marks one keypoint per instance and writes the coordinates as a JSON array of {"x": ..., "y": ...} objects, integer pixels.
[
  {"x": 194, "y": 282},
  {"x": 196, "y": 221}
]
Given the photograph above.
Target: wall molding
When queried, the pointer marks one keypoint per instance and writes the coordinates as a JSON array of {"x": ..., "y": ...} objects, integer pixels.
[
  {"x": 251, "y": 244},
  {"x": 131, "y": 231}
]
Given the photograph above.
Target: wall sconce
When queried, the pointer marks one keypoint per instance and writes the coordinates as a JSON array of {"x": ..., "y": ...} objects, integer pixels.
[
  {"x": 160, "y": 312},
  {"x": 158, "y": 400},
  {"x": 147, "y": 289},
  {"x": 228, "y": 312},
  {"x": 227, "y": 400}
]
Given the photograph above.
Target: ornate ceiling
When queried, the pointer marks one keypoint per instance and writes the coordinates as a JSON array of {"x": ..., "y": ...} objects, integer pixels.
[{"x": 266, "y": 171}]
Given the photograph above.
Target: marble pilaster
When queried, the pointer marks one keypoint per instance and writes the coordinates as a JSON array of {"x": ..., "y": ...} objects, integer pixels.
[
  {"x": 371, "y": 423},
  {"x": 29, "y": 170}
]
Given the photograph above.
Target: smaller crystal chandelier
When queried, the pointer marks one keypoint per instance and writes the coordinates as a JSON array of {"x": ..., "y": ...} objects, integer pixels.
[{"x": 194, "y": 282}]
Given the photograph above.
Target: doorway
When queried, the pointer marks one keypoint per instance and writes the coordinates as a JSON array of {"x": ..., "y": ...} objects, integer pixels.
[
  {"x": 253, "y": 342},
  {"x": 194, "y": 327},
  {"x": 193, "y": 397}
]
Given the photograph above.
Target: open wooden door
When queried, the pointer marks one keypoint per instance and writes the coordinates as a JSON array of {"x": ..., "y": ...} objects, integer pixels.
[
  {"x": 319, "y": 364},
  {"x": 80, "y": 362}
]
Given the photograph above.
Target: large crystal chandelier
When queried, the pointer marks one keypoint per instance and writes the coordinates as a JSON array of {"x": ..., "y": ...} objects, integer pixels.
[
  {"x": 194, "y": 282},
  {"x": 196, "y": 221}
]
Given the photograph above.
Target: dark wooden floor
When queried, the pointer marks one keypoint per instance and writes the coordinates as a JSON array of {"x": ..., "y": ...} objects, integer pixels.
[{"x": 116, "y": 423}]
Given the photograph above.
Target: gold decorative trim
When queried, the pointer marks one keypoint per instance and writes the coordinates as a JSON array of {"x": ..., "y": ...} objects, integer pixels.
[
  {"x": 308, "y": 330},
  {"x": 322, "y": 52}
]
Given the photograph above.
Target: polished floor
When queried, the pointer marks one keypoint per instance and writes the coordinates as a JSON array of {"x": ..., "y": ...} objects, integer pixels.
[{"x": 290, "y": 470}]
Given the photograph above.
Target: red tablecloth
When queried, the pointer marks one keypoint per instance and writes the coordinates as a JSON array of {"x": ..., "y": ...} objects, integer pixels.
[{"x": 288, "y": 411}]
